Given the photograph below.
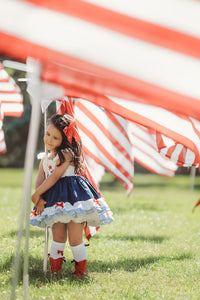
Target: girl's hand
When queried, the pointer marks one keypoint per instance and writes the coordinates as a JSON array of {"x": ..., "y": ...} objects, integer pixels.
[
  {"x": 35, "y": 198},
  {"x": 40, "y": 206}
]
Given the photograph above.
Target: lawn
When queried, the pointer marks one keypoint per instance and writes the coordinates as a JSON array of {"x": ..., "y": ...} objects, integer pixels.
[{"x": 150, "y": 251}]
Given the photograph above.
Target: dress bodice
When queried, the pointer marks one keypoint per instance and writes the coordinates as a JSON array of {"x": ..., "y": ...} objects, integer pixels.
[{"x": 49, "y": 166}]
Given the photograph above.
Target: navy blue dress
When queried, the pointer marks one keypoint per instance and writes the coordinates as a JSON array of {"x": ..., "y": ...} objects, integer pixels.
[{"x": 71, "y": 198}]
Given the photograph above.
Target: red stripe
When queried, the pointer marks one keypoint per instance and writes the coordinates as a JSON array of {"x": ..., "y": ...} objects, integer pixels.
[
  {"x": 182, "y": 155},
  {"x": 159, "y": 141},
  {"x": 17, "y": 103},
  {"x": 193, "y": 126},
  {"x": 107, "y": 133},
  {"x": 12, "y": 114},
  {"x": 3, "y": 151},
  {"x": 125, "y": 24},
  {"x": 170, "y": 152},
  {"x": 103, "y": 150},
  {"x": 4, "y": 80},
  {"x": 106, "y": 83},
  {"x": 10, "y": 92}
]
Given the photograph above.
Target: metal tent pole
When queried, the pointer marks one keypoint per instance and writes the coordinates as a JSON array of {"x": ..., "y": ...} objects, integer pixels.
[
  {"x": 192, "y": 179},
  {"x": 29, "y": 163},
  {"x": 46, "y": 228}
]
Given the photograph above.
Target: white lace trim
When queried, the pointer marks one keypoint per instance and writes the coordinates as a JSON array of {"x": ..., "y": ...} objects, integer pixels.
[{"x": 94, "y": 212}]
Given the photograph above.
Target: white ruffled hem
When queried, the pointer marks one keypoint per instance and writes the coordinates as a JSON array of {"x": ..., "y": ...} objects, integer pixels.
[{"x": 94, "y": 212}]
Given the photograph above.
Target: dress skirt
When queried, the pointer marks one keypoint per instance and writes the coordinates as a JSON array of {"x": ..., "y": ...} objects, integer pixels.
[{"x": 72, "y": 198}]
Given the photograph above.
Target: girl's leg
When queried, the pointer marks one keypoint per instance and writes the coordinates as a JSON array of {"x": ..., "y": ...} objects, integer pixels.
[
  {"x": 75, "y": 235},
  {"x": 59, "y": 231}
]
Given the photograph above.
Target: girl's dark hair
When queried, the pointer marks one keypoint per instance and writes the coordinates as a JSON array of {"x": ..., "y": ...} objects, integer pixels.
[{"x": 75, "y": 148}]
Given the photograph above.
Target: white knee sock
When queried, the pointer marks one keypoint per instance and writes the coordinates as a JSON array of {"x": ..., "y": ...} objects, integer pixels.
[
  {"x": 79, "y": 252},
  {"x": 57, "y": 250}
]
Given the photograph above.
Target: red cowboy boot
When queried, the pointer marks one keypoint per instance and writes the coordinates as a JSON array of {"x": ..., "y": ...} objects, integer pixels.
[
  {"x": 56, "y": 265},
  {"x": 80, "y": 268}
]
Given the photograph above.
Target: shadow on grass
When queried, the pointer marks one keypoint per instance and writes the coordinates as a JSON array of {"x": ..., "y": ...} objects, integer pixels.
[
  {"x": 131, "y": 264},
  {"x": 38, "y": 279},
  {"x": 36, "y": 274},
  {"x": 145, "y": 238}
]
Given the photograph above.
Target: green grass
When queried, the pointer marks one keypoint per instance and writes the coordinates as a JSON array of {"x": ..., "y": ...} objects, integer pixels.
[{"x": 150, "y": 251}]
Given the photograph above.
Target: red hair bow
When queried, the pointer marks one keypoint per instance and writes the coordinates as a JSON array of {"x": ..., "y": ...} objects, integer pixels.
[{"x": 71, "y": 131}]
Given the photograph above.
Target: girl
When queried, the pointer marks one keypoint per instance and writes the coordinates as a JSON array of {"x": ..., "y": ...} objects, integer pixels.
[{"x": 64, "y": 199}]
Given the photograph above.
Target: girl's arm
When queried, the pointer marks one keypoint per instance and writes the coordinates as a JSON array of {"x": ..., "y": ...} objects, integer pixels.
[
  {"x": 51, "y": 180},
  {"x": 40, "y": 176},
  {"x": 39, "y": 180}
]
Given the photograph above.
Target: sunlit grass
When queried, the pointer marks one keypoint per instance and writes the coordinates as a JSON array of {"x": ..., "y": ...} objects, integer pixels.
[{"x": 150, "y": 251}]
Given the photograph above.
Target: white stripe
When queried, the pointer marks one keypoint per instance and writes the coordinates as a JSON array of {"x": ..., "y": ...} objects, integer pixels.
[
  {"x": 2, "y": 146},
  {"x": 1, "y": 135},
  {"x": 16, "y": 97},
  {"x": 6, "y": 108},
  {"x": 2, "y": 141},
  {"x": 176, "y": 152},
  {"x": 95, "y": 169},
  {"x": 3, "y": 74},
  {"x": 4, "y": 86},
  {"x": 180, "y": 15},
  {"x": 83, "y": 40},
  {"x": 189, "y": 158}
]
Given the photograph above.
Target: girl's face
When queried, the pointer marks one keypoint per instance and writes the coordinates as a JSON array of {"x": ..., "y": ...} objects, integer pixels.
[{"x": 52, "y": 138}]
